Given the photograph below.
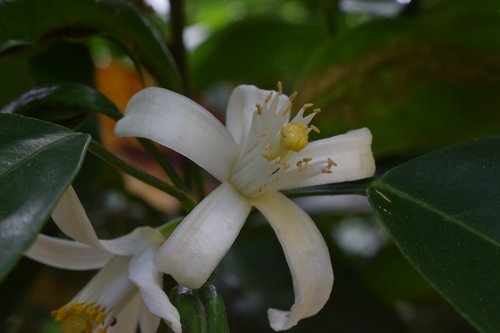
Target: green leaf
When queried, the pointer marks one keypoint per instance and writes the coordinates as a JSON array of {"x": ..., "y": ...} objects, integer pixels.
[
  {"x": 442, "y": 210},
  {"x": 29, "y": 22},
  {"x": 258, "y": 51},
  {"x": 63, "y": 104},
  {"x": 38, "y": 161},
  {"x": 409, "y": 80}
]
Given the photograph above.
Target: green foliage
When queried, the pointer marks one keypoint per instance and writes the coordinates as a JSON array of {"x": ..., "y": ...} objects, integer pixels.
[
  {"x": 410, "y": 79},
  {"x": 260, "y": 51},
  {"x": 38, "y": 162},
  {"x": 62, "y": 104},
  {"x": 26, "y": 23},
  {"x": 441, "y": 210}
]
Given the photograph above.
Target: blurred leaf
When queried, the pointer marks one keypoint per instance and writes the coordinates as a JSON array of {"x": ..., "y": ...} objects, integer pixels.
[
  {"x": 258, "y": 51},
  {"x": 410, "y": 80},
  {"x": 63, "y": 104},
  {"x": 28, "y": 22},
  {"x": 442, "y": 211},
  {"x": 38, "y": 161}
]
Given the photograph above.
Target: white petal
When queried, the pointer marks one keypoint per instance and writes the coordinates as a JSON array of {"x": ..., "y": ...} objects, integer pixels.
[
  {"x": 110, "y": 287},
  {"x": 136, "y": 241},
  {"x": 241, "y": 106},
  {"x": 350, "y": 151},
  {"x": 199, "y": 243},
  {"x": 143, "y": 274},
  {"x": 179, "y": 123},
  {"x": 148, "y": 322},
  {"x": 70, "y": 217},
  {"x": 128, "y": 318},
  {"x": 306, "y": 254},
  {"x": 66, "y": 254}
]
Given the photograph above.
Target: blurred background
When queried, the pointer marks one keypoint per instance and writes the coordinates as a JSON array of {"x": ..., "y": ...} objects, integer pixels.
[{"x": 421, "y": 74}]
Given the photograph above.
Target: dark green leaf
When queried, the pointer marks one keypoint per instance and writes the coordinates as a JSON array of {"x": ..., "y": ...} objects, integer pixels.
[
  {"x": 257, "y": 51},
  {"x": 442, "y": 210},
  {"x": 410, "y": 80},
  {"x": 38, "y": 161},
  {"x": 28, "y": 22},
  {"x": 63, "y": 104}
]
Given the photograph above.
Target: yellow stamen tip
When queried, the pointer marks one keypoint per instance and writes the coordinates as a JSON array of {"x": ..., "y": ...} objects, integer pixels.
[
  {"x": 75, "y": 323},
  {"x": 294, "y": 136},
  {"x": 259, "y": 109}
]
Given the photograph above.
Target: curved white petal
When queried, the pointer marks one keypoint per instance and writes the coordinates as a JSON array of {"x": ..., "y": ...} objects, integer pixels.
[
  {"x": 143, "y": 274},
  {"x": 70, "y": 217},
  {"x": 179, "y": 123},
  {"x": 306, "y": 254},
  {"x": 66, "y": 254},
  {"x": 241, "y": 106},
  {"x": 128, "y": 318},
  {"x": 199, "y": 243},
  {"x": 351, "y": 152},
  {"x": 139, "y": 240},
  {"x": 148, "y": 322}
]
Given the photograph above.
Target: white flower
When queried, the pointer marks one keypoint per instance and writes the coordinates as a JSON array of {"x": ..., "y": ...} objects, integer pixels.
[
  {"x": 124, "y": 293},
  {"x": 260, "y": 152}
]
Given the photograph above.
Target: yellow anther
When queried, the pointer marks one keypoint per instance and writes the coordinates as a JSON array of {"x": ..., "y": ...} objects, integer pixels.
[
  {"x": 75, "y": 323},
  {"x": 267, "y": 146},
  {"x": 293, "y": 96},
  {"x": 280, "y": 88},
  {"x": 259, "y": 109},
  {"x": 268, "y": 97},
  {"x": 317, "y": 110},
  {"x": 307, "y": 159},
  {"x": 278, "y": 159},
  {"x": 100, "y": 316},
  {"x": 314, "y": 128},
  {"x": 307, "y": 106},
  {"x": 101, "y": 330},
  {"x": 294, "y": 136},
  {"x": 326, "y": 170},
  {"x": 331, "y": 163},
  {"x": 77, "y": 308},
  {"x": 268, "y": 157},
  {"x": 91, "y": 310},
  {"x": 285, "y": 165},
  {"x": 301, "y": 165}
]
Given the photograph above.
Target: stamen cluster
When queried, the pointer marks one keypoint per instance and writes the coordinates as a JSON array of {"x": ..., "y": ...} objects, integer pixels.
[
  {"x": 273, "y": 144},
  {"x": 81, "y": 318}
]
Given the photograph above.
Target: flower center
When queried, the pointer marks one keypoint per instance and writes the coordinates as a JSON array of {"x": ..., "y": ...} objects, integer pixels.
[
  {"x": 272, "y": 146},
  {"x": 80, "y": 318},
  {"x": 294, "y": 136}
]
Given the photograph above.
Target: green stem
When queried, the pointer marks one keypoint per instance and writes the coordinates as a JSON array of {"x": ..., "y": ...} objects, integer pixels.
[
  {"x": 101, "y": 152},
  {"x": 163, "y": 163},
  {"x": 114, "y": 114},
  {"x": 355, "y": 187}
]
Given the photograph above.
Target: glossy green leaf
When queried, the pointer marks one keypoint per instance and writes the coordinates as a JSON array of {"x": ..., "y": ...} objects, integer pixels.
[
  {"x": 409, "y": 80},
  {"x": 442, "y": 210},
  {"x": 38, "y": 161},
  {"x": 63, "y": 104},
  {"x": 257, "y": 51},
  {"x": 29, "y": 22}
]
